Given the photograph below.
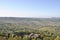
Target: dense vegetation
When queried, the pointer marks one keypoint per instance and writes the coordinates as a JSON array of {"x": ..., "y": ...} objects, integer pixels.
[{"x": 48, "y": 28}]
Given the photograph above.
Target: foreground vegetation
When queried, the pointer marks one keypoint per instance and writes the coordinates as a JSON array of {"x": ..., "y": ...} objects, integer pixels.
[{"x": 25, "y": 36}]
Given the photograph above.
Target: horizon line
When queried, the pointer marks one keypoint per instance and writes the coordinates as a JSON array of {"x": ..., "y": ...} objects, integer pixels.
[{"x": 29, "y": 17}]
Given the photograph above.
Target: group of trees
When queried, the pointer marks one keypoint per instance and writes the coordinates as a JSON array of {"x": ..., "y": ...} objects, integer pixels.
[{"x": 17, "y": 36}]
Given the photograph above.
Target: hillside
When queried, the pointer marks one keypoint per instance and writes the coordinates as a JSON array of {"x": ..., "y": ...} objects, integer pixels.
[{"x": 10, "y": 24}]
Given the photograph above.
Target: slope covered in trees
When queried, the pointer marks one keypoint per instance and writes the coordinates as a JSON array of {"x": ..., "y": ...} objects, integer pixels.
[{"x": 45, "y": 26}]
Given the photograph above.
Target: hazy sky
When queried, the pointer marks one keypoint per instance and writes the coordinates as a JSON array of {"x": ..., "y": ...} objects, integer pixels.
[{"x": 30, "y": 8}]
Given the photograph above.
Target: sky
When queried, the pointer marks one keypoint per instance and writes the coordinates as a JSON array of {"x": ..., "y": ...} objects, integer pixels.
[{"x": 30, "y": 8}]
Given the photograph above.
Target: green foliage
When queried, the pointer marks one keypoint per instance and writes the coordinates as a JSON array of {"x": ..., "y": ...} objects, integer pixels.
[{"x": 45, "y": 27}]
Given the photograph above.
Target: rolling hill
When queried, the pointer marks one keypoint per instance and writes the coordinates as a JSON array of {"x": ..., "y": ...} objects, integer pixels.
[{"x": 10, "y": 24}]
